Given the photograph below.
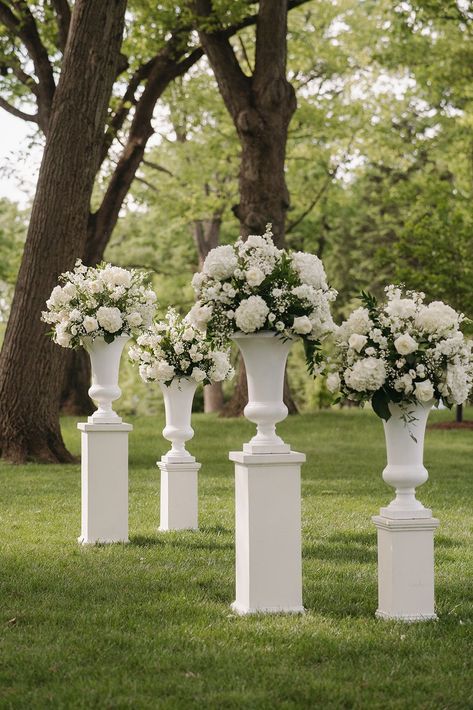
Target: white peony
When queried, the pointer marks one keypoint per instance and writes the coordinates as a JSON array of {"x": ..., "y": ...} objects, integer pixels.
[
  {"x": 357, "y": 342},
  {"x": 333, "y": 382},
  {"x": 115, "y": 276},
  {"x": 163, "y": 371},
  {"x": 134, "y": 319},
  {"x": 251, "y": 314},
  {"x": 221, "y": 262},
  {"x": 109, "y": 318},
  {"x": 302, "y": 325},
  {"x": 405, "y": 344},
  {"x": 198, "y": 375},
  {"x": 424, "y": 391},
  {"x": 90, "y": 324},
  {"x": 199, "y": 316},
  {"x": 358, "y": 322},
  {"x": 401, "y": 308},
  {"x": 438, "y": 318},
  {"x": 366, "y": 375}
]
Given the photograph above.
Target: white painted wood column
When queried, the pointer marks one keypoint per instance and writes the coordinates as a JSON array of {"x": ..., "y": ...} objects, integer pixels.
[
  {"x": 104, "y": 482},
  {"x": 268, "y": 532}
]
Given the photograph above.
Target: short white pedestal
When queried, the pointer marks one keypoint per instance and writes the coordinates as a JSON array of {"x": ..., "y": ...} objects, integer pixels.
[
  {"x": 268, "y": 532},
  {"x": 406, "y": 568},
  {"x": 179, "y": 496},
  {"x": 104, "y": 476}
]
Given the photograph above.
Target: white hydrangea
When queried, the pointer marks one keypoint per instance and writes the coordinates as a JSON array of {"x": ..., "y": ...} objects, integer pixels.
[
  {"x": 368, "y": 374},
  {"x": 109, "y": 318},
  {"x": 221, "y": 262},
  {"x": 357, "y": 322},
  {"x": 199, "y": 316},
  {"x": 221, "y": 366},
  {"x": 310, "y": 269},
  {"x": 438, "y": 318},
  {"x": 251, "y": 314}
]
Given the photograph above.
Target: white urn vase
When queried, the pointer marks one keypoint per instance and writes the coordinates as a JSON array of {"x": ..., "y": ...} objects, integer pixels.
[
  {"x": 178, "y": 398},
  {"x": 105, "y": 362},
  {"x": 405, "y": 469},
  {"x": 265, "y": 356}
]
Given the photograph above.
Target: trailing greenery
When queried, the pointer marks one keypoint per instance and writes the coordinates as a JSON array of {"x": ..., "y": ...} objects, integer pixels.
[{"x": 148, "y": 625}]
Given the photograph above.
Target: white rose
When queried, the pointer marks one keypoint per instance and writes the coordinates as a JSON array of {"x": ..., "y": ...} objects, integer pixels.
[
  {"x": 90, "y": 324},
  {"x": 198, "y": 375},
  {"x": 424, "y": 391},
  {"x": 357, "y": 342},
  {"x": 178, "y": 348},
  {"x": 254, "y": 276},
  {"x": 302, "y": 325},
  {"x": 333, "y": 382},
  {"x": 405, "y": 344}
]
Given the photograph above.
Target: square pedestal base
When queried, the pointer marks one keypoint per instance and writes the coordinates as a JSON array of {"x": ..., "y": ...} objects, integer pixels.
[
  {"x": 406, "y": 568},
  {"x": 104, "y": 483},
  {"x": 268, "y": 532},
  {"x": 179, "y": 496}
]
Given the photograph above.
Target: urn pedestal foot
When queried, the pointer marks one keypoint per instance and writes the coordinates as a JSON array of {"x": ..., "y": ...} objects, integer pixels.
[
  {"x": 268, "y": 532},
  {"x": 104, "y": 483},
  {"x": 406, "y": 568},
  {"x": 179, "y": 495}
]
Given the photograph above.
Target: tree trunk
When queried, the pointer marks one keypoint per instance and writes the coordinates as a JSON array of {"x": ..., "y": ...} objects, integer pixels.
[
  {"x": 75, "y": 400},
  {"x": 261, "y": 107},
  {"x": 31, "y": 366},
  {"x": 206, "y": 233},
  {"x": 459, "y": 413}
]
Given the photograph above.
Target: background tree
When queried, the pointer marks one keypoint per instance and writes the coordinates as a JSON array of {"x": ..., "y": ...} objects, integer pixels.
[{"x": 29, "y": 422}]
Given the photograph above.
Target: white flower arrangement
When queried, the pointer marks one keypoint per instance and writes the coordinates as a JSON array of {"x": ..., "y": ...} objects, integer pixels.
[
  {"x": 174, "y": 349},
  {"x": 402, "y": 351},
  {"x": 254, "y": 286},
  {"x": 103, "y": 301}
]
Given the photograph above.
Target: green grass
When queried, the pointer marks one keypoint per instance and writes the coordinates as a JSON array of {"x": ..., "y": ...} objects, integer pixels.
[{"x": 148, "y": 625}]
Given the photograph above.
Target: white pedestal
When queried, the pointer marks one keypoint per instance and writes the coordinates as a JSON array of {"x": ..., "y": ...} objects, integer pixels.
[
  {"x": 406, "y": 568},
  {"x": 268, "y": 532},
  {"x": 179, "y": 495},
  {"x": 104, "y": 477}
]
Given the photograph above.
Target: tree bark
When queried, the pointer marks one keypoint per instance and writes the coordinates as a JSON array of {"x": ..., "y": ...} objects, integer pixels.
[
  {"x": 31, "y": 366},
  {"x": 261, "y": 106},
  {"x": 206, "y": 235},
  {"x": 459, "y": 413}
]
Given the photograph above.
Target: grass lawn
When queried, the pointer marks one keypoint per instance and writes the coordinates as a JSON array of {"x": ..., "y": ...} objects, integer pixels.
[{"x": 148, "y": 625}]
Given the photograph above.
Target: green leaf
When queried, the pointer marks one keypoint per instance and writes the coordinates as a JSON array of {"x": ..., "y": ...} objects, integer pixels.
[
  {"x": 109, "y": 338},
  {"x": 380, "y": 404}
]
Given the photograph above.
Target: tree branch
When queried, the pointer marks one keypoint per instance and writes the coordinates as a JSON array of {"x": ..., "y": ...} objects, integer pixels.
[
  {"x": 26, "y": 30},
  {"x": 63, "y": 15},
  {"x": 33, "y": 118},
  {"x": 234, "y": 85}
]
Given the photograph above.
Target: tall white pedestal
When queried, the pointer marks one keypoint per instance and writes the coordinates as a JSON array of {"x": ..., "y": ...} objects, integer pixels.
[
  {"x": 104, "y": 479},
  {"x": 268, "y": 532},
  {"x": 179, "y": 495},
  {"x": 406, "y": 567}
]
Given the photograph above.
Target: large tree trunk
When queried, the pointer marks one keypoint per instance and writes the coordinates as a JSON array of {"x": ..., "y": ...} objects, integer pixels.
[
  {"x": 31, "y": 366},
  {"x": 75, "y": 400},
  {"x": 261, "y": 107}
]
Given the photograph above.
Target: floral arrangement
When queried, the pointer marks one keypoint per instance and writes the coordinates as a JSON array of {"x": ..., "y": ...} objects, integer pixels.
[
  {"x": 253, "y": 286},
  {"x": 173, "y": 349},
  {"x": 104, "y": 301},
  {"x": 402, "y": 351}
]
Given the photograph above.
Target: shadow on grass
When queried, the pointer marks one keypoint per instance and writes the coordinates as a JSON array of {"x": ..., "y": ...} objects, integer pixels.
[
  {"x": 185, "y": 539},
  {"x": 343, "y": 547}
]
